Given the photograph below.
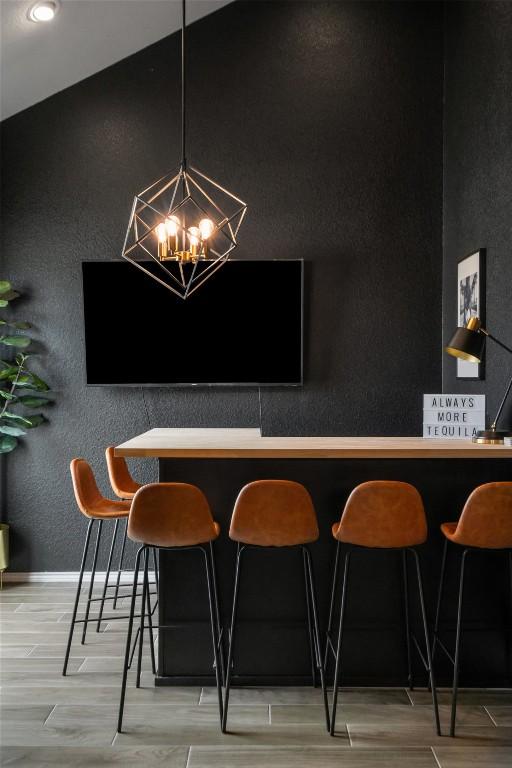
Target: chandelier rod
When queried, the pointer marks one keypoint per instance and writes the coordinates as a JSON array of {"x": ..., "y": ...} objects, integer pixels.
[{"x": 183, "y": 84}]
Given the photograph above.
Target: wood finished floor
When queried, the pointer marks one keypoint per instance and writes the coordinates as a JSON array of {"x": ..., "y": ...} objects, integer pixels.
[{"x": 51, "y": 721}]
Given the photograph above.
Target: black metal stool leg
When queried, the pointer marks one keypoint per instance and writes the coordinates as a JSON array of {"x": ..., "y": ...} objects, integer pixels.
[
  {"x": 91, "y": 585},
  {"x": 128, "y": 640},
  {"x": 457, "y": 645},
  {"x": 155, "y": 565},
  {"x": 107, "y": 575},
  {"x": 439, "y": 598},
  {"x": 217, "y": 615},
  {"x": 213, "y": 622},
  {"x": 134, "y": 647},
  {"x": 231, "y": 637},
  {"x": 318, "y": 652},
  {"x": 150, "y": 623},
  {"x": 337, "y": 670},
  {"x": 120, "y": 566},
  {"x": 77, "y": 597},
  {"x": 331, "y": 605},
  {"x": 142, "y": 616},
  {"x": 427, "y": 643},
  {"x": 510, "y": 572},
  {"x": 406, "y": 617},
  {"x": 509, "y": 631},
  {"x": 312, "y": 641}
]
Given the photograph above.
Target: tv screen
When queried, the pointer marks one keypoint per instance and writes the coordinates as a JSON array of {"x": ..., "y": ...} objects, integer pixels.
[{"x": 243, "y": 326}]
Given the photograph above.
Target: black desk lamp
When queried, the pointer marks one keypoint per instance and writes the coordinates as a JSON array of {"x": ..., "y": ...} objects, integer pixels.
[{"x": 468, "y": 344}]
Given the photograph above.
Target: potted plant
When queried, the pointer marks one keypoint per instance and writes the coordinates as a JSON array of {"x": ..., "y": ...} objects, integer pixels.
[{"x": 20, "y": 394}]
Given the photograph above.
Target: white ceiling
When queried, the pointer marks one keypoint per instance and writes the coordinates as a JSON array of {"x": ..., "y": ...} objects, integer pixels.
[{"x": 85, "y": 36}]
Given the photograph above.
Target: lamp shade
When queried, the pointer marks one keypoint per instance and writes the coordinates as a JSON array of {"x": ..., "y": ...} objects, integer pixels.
[{"x": 467, "y": 344}]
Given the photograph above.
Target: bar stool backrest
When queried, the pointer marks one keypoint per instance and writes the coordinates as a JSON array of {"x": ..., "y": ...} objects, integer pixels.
[
  {"x": 87, "y": 493},
  {"x": 171, "y": 515},
  {"x": 123, "y": 484},
  {"x": 486, "y": 519},
  {"x": 274, "y": 513},
  {"x": 383, "y": 513}
]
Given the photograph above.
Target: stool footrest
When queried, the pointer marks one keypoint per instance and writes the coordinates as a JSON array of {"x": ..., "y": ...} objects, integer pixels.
[{"x": 114, "y": 597}]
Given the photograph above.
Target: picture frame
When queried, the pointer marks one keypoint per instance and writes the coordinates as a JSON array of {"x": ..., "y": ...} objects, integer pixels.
[{"x": 471, "y": 302}]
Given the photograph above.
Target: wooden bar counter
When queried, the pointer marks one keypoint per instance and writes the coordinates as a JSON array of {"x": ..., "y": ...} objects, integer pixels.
[
  {"x": 272, "y": 640},
  {"x": 248, "y": 444}
]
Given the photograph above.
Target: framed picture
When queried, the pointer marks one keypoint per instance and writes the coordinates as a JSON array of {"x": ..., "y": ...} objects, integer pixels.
[{"x": 471, "y": 302}]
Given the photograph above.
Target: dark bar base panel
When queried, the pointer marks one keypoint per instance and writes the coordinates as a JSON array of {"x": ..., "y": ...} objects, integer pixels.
[{"x": 272, "y": 639}]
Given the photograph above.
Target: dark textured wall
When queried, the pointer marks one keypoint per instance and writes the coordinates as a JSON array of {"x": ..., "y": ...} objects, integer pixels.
[
  {"x": 327, "y": 119},
  {"x": 478, "y": 177}
]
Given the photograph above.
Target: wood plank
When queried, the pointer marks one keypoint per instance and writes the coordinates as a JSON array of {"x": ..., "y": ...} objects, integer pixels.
[
  {"x": 393, "y": 736},
  {"x": 21, "y": 734},
  {"x": 92, "y": 757},
  {"x": 137, "y": 733},
  {"x": 500, "y": 715},
  {"x": 460, "y": 756},
  {"x": 307, "y": 757},
  {"x": 165, "y": 716},
  {"x": 481, "y": 696},
  {"x": 15, "y": 651},
  {"x": 387, "y": 714},
  {"x": 295, "y": 695},
  {"x": 243, "y": 444},
  {"x": 37, "y": 637},
  {"x": 26, "y": 715},
  {"x": 96, "y": 694}
]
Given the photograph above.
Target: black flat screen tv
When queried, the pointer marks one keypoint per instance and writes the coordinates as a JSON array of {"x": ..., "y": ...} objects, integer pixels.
[{"x": 242, "y": 327}]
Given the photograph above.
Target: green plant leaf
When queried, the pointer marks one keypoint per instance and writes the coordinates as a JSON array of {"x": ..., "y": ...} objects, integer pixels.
[
  {"x": 17, "y": 418},
  {"x": 23, "y": 381},
  {"x": 14, "y": 431},
  {"x": 36, "y": 421},
  {"x": 10, "y": 295},
  {"x": 5, "y": 373},
  {"x": 22, "y": 342},
  {"x": 32, "y": 401},
  {"x": 5, "y": 286},
  {"x": 21, "y": 326},
  {"x": 7, "y": 395},
  {"x": 7, "y": 443},
  {"x": 3, "y": 303},
  {"x": 38, "y": 383}
]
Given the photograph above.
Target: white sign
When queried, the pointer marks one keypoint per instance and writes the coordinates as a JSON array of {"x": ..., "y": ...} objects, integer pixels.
[{"x": 453, "y": 417}]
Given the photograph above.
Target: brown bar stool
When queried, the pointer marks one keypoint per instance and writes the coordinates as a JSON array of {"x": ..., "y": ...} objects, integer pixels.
[
  {"x": 97, "y": 509},
  {"x": 380, "y": 514},
  {"x": 125, "y": 488},
  {"x": 485, "y": 524},
  {"x": 172, "y": 517},
  {"x": 276, "y": 513}
]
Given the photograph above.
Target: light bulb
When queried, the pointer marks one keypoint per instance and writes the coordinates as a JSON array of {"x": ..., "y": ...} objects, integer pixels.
[
  {"x": 171, "y": 226},
  {"x": 161, "y": 233},
  {"x": 206, "y": 227},
  {"x": 194, "y": 236},
  {"x": 43, "y": 11},
  {"x": 172, "y": 223}
]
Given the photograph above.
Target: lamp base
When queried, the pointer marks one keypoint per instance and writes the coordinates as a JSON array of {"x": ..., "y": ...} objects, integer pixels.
[{"x": 491, "y": 436}]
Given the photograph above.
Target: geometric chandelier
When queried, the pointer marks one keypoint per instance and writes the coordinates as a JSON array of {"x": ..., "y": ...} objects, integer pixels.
[{"x": 184, "y": 226}]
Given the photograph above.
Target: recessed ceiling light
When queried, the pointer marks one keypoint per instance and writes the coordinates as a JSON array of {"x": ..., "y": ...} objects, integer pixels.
[{"x": 43, "y": 11}]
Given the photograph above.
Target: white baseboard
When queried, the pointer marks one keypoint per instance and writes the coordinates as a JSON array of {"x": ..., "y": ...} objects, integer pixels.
[{"x": 67, "y": 576}]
